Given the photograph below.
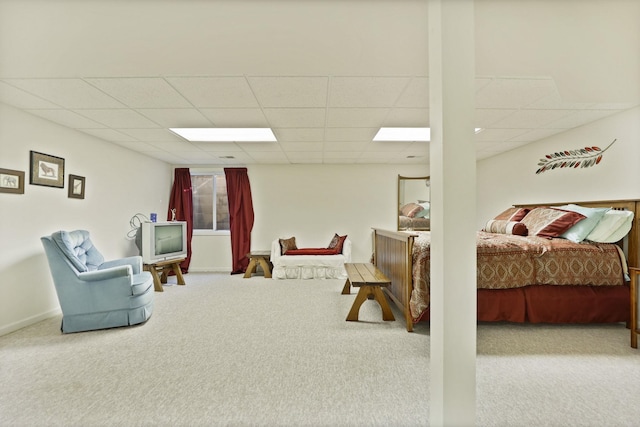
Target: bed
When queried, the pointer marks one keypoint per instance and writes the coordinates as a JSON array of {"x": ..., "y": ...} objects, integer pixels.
[
  {"x": 310, "y": 263},
  {"x": 599, "y": 296}
]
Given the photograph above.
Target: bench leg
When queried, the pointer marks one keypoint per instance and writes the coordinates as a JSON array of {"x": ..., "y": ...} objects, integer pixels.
[
  {"x": 251, "y": 268},
  {"x": 157, "y": 285},
  {"x": 265, "y": 267},
  {"x": 378, "y": 295},
  {"x": 360, "y": 298},
  {"x": 370, "y": 292},
  {"x": 178, "y": 272},
  {"x": 346, "y": 290}
]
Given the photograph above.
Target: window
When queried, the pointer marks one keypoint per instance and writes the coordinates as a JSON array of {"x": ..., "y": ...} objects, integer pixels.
[{"x": 210, "y": 203}]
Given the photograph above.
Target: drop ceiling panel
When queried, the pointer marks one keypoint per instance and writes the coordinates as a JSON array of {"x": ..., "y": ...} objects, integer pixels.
[
  {"x": 416, "y": 95},
  {"x": 67, "y": 93},
  {"x": 165, "y": 156},
  {"x": 299, "y": 134},
  {"x": 175, "y": 146},
  {"x": 299, "y": 157},
  {"x": 141, "y": 92},
  {"x": 532, "y": 119},
  {"x": 267, "y": 157},
  {"x": 579, "y": 118},
  {"x": 141, "y": 147},
  {"x": 235, "y": 117},
  {"x": 350, "y": 134},
  {"x": 20, "y": 99},
  {"x": 215, "y": 92},
  {"x": 513, "y": 92},
  {"x": 290, "y": 91},
  {"x": 497, "y": 134},
  {"x": 392, "y": 147},
  {"x": 238, "y": 157},
  {"x": 217, "y": 147},
  {"x": 532, "y": 135},
  {"x": 407, "y": 117},
  {"x": 148, "y": 135},
  {"x": 109, "y": 135},
  {"x": 486, "y": 117},
  {"x": 119, "y": 119},
  {"x": 366, "y": 91},
  {"x": 255, "y": 147},
  {"x": 348, "y": 155},
  {"x": 290, "y": 147},
  {"x": 67, "y": 118},
  {"x": 345, "y": 146},
  {"x": 176, "y": 117},
  {"x": 356, "y": 117},
  {"x": 295, "y": 117}
]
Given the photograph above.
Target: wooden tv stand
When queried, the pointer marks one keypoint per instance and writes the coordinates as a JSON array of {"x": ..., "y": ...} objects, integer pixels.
[{"x": 164, "y": 267}]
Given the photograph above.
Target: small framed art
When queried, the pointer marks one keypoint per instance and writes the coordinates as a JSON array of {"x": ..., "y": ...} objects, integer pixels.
[
  {"x": 46, "y": 170},
  {"x": 11, "y": 181},
  {"x": 76, "y": 187}
]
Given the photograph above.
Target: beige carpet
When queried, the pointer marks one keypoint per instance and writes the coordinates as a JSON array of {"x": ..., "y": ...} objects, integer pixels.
[{"x": 224, "y": 350}]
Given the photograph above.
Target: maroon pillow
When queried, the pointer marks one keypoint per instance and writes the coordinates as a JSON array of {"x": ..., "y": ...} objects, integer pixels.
[
  {"x": 550, "y": 222},
  {"x": 512, "y": 214},
  {"x": 286, "y": 244},
  {"x": 337, "y": 242}
]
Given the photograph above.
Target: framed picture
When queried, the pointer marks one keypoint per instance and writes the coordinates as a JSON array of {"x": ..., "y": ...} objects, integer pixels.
[
  {"x": 46, "y": 170},
  {"x": 76, "y": 186},
  {"x": 11, "y": 181}
]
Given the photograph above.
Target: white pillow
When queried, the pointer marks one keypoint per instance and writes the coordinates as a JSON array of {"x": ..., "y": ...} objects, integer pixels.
[
  {"x": 613, "y": 226},
  {"x": 578, "y": 232}
]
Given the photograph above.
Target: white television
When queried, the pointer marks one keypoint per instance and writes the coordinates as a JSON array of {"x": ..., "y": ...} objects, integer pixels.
[{"x": 162, "y": 241}]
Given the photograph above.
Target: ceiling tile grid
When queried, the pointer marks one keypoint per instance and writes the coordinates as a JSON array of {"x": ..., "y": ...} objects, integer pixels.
[{"x": 316, "y": 119}]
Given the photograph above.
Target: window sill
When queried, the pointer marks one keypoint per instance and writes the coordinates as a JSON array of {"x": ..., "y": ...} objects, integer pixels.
[{"x": 211, "y": 233}]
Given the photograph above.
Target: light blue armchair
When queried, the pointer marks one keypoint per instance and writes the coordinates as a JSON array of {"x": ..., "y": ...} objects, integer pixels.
[{"x": 95, "y": 294}]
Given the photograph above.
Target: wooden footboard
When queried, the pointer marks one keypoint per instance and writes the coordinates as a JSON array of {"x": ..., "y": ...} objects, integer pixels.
[{"x": 392, "y": 255}]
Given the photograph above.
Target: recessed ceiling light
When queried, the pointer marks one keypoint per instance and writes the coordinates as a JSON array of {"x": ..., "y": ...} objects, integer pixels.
[
  {"x": 406, "y": 134},
  {"x": 403, "y": 134},
  {"x": 225, "y": 134}
]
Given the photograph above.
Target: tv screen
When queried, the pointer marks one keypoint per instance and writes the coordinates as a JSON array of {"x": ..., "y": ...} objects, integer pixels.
[
  {"x": 168, "y": 238},
  {"x": 160, "y": 241}
]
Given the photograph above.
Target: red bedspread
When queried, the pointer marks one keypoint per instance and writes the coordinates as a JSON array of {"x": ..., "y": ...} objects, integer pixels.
[{"x": 510, "y": 262}]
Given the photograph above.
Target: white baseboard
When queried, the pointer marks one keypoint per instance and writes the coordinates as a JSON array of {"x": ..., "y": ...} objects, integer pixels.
[
  {"x": 7, "y": 329},
  {"x": 209, "y": 270}
]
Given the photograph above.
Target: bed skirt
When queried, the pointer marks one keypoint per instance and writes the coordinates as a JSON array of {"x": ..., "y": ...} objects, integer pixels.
[{"x": 553, "y": 304}]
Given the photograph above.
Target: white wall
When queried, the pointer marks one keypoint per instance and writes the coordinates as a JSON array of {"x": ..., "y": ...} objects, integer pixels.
[
  {"x": 511, "y": 178},
  {"x": 119, "y": 183},
  {"x": 312, "y": 202}
]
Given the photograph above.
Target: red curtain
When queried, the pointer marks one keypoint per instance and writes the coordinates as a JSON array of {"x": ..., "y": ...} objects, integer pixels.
[
  {"x": 182, "y": 201},
  {"x": 240, "y": 217}
]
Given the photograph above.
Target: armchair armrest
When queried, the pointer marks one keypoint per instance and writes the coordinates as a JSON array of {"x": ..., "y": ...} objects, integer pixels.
[
  {"x": 134, "y": 261},
  {"x": 105, "y": 274}
]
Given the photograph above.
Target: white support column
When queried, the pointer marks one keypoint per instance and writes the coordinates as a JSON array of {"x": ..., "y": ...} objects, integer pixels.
[{"x": 453, "y": 212}]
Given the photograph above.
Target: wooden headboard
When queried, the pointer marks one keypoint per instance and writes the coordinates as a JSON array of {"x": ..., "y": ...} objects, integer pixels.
[{"x": 633, "y": 238}]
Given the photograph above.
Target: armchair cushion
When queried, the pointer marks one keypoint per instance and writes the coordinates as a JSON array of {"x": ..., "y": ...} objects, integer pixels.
[{"x": 78, "y": 248}]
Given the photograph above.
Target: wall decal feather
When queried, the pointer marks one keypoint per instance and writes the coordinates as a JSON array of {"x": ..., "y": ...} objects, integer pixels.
[{"x": 582, "y": 157}]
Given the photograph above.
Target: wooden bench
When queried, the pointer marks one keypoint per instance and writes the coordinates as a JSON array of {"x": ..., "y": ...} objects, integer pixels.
[
  {"x": 259, "y": 257},
  {"x": 164, "y": 267},
  {"x": 369, "y": 279}
]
